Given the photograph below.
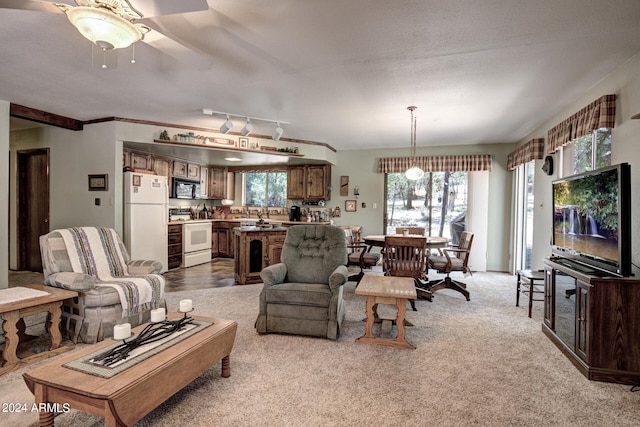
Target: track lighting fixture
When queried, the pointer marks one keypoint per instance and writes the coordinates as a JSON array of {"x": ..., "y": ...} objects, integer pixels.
[
  {"x": 226, "y": 126},
  {"x": 278, "y": 132},
  {"x": 247, "y": 129}
]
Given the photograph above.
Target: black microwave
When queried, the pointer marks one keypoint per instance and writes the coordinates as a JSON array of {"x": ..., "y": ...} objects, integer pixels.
[{"x": 185, "y": 189}]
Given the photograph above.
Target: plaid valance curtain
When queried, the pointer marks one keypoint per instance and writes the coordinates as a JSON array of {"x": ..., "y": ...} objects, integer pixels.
[
  {"x": 601, "y": 113},
  {"x": 471, "y": 163},
  {"x": 533, "y": 149}
]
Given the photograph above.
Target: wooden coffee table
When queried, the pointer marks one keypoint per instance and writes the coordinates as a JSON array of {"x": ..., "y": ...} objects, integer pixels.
[
  {"x": 390, "y": 290},
  {"x": 13, "y": 312},
  {"x": 128, "y": 396}
]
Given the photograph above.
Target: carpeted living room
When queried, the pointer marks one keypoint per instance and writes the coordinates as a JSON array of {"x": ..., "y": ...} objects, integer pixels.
[{"x": 479, "y": 362}]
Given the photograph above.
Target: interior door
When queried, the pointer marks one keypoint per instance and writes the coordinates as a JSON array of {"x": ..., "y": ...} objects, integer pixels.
[{"x": 33, "y": 206}]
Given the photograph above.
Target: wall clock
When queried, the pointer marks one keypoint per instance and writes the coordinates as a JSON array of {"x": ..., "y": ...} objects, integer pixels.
[{"x": 547, "y": 167}]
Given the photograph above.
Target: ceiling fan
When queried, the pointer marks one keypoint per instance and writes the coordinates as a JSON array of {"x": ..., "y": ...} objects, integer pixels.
[{"x": 110, "y": 24}]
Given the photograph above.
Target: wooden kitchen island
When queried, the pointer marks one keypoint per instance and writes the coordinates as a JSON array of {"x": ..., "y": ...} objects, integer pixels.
[{"x": 254, "y": 249}]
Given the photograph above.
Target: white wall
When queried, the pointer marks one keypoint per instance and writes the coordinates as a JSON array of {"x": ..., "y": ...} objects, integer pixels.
[
  {"x": 491, "y": 197},
  {"x": 625, "y": 82},
  {"x": 73, "y": 156}
]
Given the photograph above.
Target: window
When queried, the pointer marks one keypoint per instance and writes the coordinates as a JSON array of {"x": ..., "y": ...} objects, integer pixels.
[
  {"x": 592, "y": 151},
  {"x": 437, "y": 202},
  {"x": 265, "y": 189},
  {"x": 524, "y": 209}
]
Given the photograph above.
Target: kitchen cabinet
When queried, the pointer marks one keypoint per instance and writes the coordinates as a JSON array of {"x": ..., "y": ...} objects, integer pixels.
[
  {"x": 217, "y": 183},
  {"x": 594, "y": 320},
  {"x": 309, "y": 182},
  {"x": 137, "y": 160},
  {"x": 179, "y": 169},
  {"x": 221, "y": 239},
  {"x": 175, "y": 245},
  {"x": 162, "y": 166},
  {"x": 204, "y": 182},
  {"x": 193, "y": 171},
  {"x": 255, "y": 249}
]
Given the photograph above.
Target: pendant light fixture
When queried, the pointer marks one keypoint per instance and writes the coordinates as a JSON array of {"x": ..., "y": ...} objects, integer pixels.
[{"x": 414, "y": 172}]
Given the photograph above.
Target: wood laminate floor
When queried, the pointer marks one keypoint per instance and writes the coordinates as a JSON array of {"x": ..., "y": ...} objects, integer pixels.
[{"x": 214, "y": 274}]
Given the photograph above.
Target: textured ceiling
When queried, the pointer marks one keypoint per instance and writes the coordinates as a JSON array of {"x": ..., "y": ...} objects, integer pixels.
[{"x": 340, "y": 72}]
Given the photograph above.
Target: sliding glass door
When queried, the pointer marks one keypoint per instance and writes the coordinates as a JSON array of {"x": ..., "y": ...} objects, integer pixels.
[
  {"x": 523, "y": 232},
  {"x": 437, "y": 202}
]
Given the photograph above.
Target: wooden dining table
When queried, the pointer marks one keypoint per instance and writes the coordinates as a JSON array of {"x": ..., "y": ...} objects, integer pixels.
[{"x": 433, "y": 242}]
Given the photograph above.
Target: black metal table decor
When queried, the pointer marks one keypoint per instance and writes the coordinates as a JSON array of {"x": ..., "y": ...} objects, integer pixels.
[{"x": 151, "y": 333}]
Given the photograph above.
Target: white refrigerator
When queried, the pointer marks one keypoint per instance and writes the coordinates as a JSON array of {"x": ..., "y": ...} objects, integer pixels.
[{"x": 145, "y": 217}]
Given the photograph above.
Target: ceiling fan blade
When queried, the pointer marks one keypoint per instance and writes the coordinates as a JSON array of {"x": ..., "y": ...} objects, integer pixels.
[
  {"x": 151, "y": 8},
  {"x": 38, "y": 6},
  {"x": 176, "y": 50}
]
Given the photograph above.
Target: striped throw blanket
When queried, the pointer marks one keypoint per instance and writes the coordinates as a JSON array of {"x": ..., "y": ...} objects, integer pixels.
[{"x": 98, "y": 255}]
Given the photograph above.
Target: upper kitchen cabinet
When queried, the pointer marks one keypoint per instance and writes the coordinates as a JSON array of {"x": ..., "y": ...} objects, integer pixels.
[
  {"x": 187, "y": 170},
  {"x": 217, "y": 183},
  {"x": 162, "y": 166},
  {"x": 204, "y": 182},
  {"x": 138, "y": 161},
  {"x": 309, "y": 182}
]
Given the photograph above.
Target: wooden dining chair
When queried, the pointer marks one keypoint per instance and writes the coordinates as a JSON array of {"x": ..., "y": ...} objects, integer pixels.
[
  {"x": 360, "y": 255},
  {"x": 452, "y": 259},
  {"x": 406, "y": 257}
]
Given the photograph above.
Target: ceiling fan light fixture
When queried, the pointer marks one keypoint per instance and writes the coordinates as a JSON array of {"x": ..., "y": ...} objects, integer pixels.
[
  {"x": 247, "y": 129},
  {"x": 104, "y": 28},
  {"x": 226, "y": 126},
  {"x": 278, "y": 132}
]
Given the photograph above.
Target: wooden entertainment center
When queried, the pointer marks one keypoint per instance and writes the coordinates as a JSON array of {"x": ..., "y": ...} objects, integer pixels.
[{"x": 594, "y": 319}]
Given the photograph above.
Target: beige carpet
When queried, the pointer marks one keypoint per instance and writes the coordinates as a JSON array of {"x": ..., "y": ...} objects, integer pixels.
[{"x": 482, "y": 362}]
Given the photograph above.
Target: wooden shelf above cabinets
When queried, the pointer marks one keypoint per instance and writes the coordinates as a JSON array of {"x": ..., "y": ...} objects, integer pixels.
[{"x": 225, "y": 147}]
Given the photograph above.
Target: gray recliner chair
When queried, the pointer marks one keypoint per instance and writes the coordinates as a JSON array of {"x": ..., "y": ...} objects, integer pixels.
[
  {"x": 302, "y": 294},
  {"x": 111, "y": 287}
]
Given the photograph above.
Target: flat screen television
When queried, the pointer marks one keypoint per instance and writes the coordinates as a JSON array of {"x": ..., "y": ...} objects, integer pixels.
[{"x": 592, "y": 219}]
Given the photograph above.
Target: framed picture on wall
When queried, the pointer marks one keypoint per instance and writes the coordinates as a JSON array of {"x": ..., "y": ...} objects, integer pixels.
[
  {"x": 99, "y": 182},
  {"x": 350, "y": 206},
  {"x": 244, "y": 142}
]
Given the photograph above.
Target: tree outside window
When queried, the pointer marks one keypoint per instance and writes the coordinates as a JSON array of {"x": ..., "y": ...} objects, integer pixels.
[
  {"x": 434, "y": 202},
  {"x": 592, "y": 151},
  {"x": 265, "y": 189}
]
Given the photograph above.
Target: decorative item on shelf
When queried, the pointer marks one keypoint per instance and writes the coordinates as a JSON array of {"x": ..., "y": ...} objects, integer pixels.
[
  {"x": 164, "y": 136},
  {"x": 244, "y": 143},
  {"x": 414, "y": 172},
  {"x": 288, "y": 150},
  {"x": 268, "y": 148}
]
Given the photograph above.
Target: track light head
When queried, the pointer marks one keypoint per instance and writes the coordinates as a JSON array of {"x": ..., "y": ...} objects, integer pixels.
[
  {"x": 278, "y": 132},
  {"x": 226, "y": 126},
  {"x": 247, "y": 129}
]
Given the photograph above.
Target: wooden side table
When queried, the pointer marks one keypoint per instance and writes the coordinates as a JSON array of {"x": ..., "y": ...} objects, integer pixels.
[
  {"x": 390, "y": 290},
  {"x": 529, "y": 277},
  {"x": 12, "y": 312}
]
